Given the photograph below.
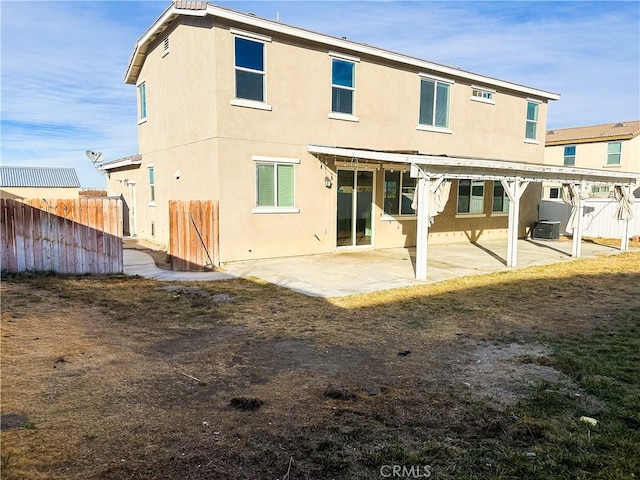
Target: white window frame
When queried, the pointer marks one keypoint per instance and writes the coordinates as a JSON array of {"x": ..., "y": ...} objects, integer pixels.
[
  {"x": 436, "y": 80},
  {"x": 152, "y": 186},
  {"x": 350, "y": 117},
  {"x": 619, "y": 162},
  {"x": 565, "y": 156},
  {"x": 393, "y": 216},
  {"x": 483, "y": 95},
  {"x": 505, "y": 199},
  {"x": 246, "y": 102},
  {"x": 275, "y": 161},
  {"x": 469, "y": 214},
  {"x": 536, "y": 121},
  {"x": 141, "y": 94}
]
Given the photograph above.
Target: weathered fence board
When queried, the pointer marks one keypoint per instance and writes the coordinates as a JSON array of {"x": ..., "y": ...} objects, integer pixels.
[
  {"x": 193, "y": 235},
  {"x": 65, "y": 236}
]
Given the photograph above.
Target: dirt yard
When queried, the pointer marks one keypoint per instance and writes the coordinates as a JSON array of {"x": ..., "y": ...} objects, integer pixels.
[{"x": 482, "y": 377}]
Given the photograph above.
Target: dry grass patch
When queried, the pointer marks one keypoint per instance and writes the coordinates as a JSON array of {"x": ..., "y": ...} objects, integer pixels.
[{"x": 130, "y": 378}]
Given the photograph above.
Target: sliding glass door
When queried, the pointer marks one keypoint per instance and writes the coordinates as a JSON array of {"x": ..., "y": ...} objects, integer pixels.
[{"x": 355, "y": 208}]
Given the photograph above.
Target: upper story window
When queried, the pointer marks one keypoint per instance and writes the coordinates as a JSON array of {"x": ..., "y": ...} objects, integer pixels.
[
  {"x": 614, "y": 153},
  {"x": 482, "y": 95},
  {"x": 500, "y": 198},
  {"x": 250, "y": 69},
  {"x": 142, "y": 101},
  {"x": 569, "y": 155},
  {"x": 434, "y": 103},
  {"x": 399, "y": 189},
  {"x": 342, "y": 86},
  {"x": 531, "y": 131},
  {"x": 470, "y": 196},
  {"x": 152, "y": 184}
]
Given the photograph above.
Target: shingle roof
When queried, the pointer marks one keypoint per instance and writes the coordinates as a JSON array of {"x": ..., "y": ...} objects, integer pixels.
[
  {"x": 594, "y": 133},
  {"x": 38, "y": 177}
]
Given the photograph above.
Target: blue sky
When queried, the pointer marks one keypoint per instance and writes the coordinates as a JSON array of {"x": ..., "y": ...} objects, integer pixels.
[{"x": 63, "y": 62}]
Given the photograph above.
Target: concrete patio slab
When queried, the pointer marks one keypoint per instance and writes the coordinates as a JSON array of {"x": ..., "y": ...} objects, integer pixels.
[{"x": 366, "y": 271}]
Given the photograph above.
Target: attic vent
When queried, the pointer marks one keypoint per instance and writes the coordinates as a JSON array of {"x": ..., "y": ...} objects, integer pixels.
[
  {"x": 166, "y": 43},
  {"x": 618, "y": 125},
  {"x": 551, "y": 132}
]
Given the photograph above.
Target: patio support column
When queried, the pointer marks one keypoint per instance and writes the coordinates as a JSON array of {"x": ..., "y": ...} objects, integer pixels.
[
  {"x": 514, "y": 188},
  {"x": 624, "y": 241},
  {"x": 422, "y": 234},
  {"x": 576, "y": 249}
]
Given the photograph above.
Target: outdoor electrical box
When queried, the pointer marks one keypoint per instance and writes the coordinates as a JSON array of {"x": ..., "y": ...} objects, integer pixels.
[{"x": 546, "y": 230}]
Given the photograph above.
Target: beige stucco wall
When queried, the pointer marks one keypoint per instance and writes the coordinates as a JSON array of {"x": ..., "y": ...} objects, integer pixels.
[
  {"x": 594, "y": 155},
  {"x": 193, "y": 127},
  {"x": 39, "y": 192}
]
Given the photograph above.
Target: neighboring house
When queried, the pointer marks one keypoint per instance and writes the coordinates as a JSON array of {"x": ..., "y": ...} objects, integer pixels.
[
  {"x": 612, "y": 146},
  {"x": 39, "y": 182},
  {"x": 313, "y": 143}
]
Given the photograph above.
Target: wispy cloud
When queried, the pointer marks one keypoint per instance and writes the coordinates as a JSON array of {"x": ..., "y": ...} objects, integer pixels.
[
  {"x": 62, "y": 88},
  {"x": 63, "y": 62}
]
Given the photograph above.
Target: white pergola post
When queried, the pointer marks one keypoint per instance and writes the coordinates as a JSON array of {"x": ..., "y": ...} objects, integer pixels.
[
  {"x": 624, "y": 241},
  {"x": 422, "y": 234},
  {"x": 514, "y": 188},
  {"x": 577, "y": 231}
]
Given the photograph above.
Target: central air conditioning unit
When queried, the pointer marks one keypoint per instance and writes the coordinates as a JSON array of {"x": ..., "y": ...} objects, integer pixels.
[{"x": 546, "y": 230}]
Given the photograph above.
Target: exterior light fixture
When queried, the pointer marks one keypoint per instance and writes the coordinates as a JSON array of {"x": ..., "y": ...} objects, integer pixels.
[{"x": 327, "y": 182}]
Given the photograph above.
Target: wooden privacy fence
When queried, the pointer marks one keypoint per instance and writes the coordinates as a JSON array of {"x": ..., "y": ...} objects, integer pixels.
[
  {"x": 65, "y": 236},
  {"x": 194, "y": 235}
]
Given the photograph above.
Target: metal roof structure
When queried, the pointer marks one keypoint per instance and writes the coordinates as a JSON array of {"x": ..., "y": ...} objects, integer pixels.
[{"x": 44, "y": 177}]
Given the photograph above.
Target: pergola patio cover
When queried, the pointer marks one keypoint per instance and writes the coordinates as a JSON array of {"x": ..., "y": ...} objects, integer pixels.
[{"x": 432, "y": 171}]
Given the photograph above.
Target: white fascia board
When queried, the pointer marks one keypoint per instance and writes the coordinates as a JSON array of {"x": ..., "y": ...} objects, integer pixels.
[
  {"x": 123, "y": 163},
  {"x": 376, "y": 52},
  {"x": 460, "y": 167},
  {"x": 158, "y": 26},
  {"x": 340, "y": 44}
]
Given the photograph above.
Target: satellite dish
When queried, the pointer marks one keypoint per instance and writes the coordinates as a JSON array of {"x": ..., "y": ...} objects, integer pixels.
[{"x": 95, "y": 157}]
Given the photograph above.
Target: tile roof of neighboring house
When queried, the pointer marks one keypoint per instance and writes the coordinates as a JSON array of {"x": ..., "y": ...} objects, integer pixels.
[
  {"x": 594, "y": 133},
  {"x": 46, "y": 177},
  {"x": 203, "y": 8}
]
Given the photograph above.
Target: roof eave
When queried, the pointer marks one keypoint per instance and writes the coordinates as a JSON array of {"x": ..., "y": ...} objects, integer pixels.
[
  {"x": 137, "y": 57},
  {"x": 123, "y": 163},
  {"x": 575, "y": 141},
  {"x": 139, "y": 51}
]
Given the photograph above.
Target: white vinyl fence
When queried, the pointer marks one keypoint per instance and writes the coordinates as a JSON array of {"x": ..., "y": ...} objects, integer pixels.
[{"x": 599, "y": 217}]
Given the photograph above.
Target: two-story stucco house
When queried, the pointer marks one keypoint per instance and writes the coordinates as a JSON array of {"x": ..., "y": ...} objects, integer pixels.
[
  {"x": 612, "y": 146},
  {"x": 313, "y": 144}
]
